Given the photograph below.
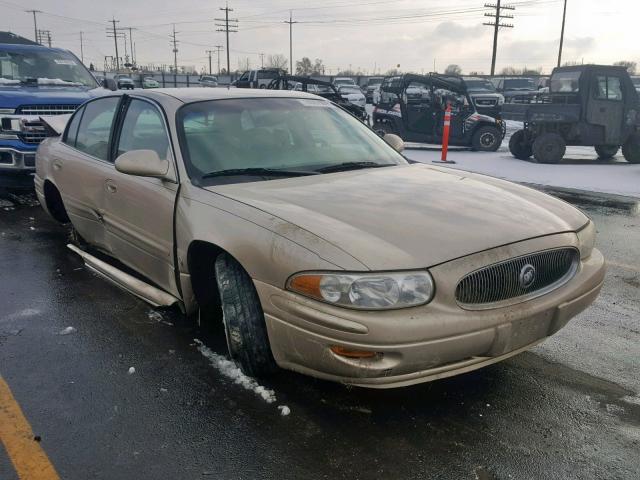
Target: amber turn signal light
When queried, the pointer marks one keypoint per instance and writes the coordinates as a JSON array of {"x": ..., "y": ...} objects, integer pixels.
[{"x": 349, "y": 353}]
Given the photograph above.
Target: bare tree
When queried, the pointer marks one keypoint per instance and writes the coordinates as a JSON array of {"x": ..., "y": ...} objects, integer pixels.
[
  {"x": 278, "y": 61},
  {"x": 453, "y": 69},
  {"x": 304, "y": 66},
  {"x": 630, "y": 66}
]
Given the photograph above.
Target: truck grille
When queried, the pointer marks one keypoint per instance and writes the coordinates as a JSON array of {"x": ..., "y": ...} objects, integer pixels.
[
  {"x": 46, "y": 109},
  {"x": 33, "y": 132},
  {"x": 486, "y": 102},
  {"x": 520, "y": 278}
]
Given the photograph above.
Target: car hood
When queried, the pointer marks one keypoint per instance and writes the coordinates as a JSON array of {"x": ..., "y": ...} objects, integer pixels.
[
  {"x": 409, "y": 216},
  {"x": 14, "y": 96}
]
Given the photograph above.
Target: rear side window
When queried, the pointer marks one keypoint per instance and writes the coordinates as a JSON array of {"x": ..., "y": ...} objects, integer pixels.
[
  {"x": 143, "y": 129},
  {"x": 608, "y": 88},
  {"x": 72, "y": 130},
  {"x": 95, "y": 127}
]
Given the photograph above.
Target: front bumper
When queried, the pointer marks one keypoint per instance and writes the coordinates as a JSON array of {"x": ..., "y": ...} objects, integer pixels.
[
  {"x": 14, "y": 160},
  {"x": 425, "y": 343}
]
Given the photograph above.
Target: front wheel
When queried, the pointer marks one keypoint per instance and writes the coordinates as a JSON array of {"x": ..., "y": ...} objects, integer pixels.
[
  {"x": 243, "y": 318},
  {"x": 631, "y": 149},
  {"x": 486, "y": 139},
  {"x": 606, "y": 152},
  {"x": 519, "y": 146},
  {"x": 549, "y": 148}
]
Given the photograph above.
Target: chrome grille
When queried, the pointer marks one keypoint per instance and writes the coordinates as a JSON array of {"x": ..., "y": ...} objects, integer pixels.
[
  {"x": 504, "y": 281},
  {"x": 46, "y": 109},
  {"x": 33, "y": 132}
]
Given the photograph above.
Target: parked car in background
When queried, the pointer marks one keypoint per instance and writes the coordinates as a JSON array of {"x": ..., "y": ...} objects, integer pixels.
[
  {"x": 208, "y": 81},
  {"x": 516, "y": 89},
  {"x": 35, "y": 82},
  {"x": 124, "y": 82},
  {"x": 340, "y": 81},
  {"x": 484, "y": 96},
  {"x": 353, "y": 94},
  {"x": 321, "y": 249},
  {"x": 413, "y": 107},
  {"x": 370, "y": 87},
  {"x": 257, "y": 78},
  {"x": 150, "y": 82}
]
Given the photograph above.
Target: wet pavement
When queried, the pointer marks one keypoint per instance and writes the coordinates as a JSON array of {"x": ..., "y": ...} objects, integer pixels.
[{"x": 568, "y": 409}]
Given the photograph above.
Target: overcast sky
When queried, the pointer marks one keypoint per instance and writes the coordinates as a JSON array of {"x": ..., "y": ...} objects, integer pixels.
[{"x": 357, "y": 33}]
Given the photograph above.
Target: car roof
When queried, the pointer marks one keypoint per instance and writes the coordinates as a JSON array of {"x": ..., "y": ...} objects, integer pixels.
[{"x": 190, "y": 95}]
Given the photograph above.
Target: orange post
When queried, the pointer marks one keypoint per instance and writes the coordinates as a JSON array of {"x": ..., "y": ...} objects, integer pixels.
[{"x": 445, "y": 136}]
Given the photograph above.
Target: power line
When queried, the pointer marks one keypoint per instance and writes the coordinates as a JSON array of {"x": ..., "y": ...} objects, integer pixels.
[
  {"x": 290, "y": 22},
  {"x": 496, "y": 24},
  {"x": 229, "y": 26}
]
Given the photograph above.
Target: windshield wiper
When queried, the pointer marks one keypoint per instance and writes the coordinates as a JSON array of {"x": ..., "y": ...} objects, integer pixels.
[
  {"x": 342, "y": 167},
  {"x": 259, "y": 172}
]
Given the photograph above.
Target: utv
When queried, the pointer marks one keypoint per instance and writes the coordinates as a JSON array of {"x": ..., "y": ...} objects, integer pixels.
[
  {"x": 318, "y": 87},
  {"x": 589, "y": 105},
  {"x": 413, "y": 107}
]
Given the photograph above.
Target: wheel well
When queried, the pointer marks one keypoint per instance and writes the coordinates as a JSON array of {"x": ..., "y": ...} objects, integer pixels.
[
  {"x": 201, "y": 258},
  {"x": 54, "y": 203}
]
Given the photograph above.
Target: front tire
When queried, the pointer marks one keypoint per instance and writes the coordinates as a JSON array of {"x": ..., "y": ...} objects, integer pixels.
[
  {"x": 519, "y": 146},
  {"x": 243, "y": 318},
  {"x": 607, "y": 152},
  {"x": 631, "y": 149},
  {"x": 486, "y": 139},
  {"x": 549, "y": 148}
]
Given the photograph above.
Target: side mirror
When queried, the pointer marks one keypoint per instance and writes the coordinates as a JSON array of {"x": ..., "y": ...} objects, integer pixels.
[
  {"x": 143, "y": 163},
  {"x": 110, "y": 84},
  {"x": 394, "y": 141}
]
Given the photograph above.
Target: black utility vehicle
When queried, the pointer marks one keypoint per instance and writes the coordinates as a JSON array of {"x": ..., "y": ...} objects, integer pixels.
[
  {"x": 413, "y": 107},
  {"x": 318, "y": 87},
  {"x": 517, "y": 89},
  {"x": 588, "y": 105}
]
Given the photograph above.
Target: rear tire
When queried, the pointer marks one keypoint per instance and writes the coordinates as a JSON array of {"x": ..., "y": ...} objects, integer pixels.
[
  {"x": 243, "y": 318},
  {"x": 549, "y": 148},
  {"x": 631, "y": 149},
  {"x": 606, "y": 152},
  {"x": 519, "y": 147},
  {"x": 486, "y": 139}
]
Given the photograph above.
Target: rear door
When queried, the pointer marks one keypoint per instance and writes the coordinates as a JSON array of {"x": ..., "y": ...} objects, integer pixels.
[
  {"x": 81, "y": 166},
  {"x": 605, "y": 106},
  {"x": 417, "y": 101},
  {"x": 139, "y": 210},
  {"x": 243, "y": 81}
]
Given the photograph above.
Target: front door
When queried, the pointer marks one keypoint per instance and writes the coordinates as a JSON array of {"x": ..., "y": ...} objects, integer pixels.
[
  {"x": 420, "y": 114},
  {"x": 139, "y": 210},
  {"x": 605, "y": 107}
]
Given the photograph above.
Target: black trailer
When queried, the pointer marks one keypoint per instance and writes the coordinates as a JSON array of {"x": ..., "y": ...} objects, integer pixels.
[{"x": 587, "y": 105}]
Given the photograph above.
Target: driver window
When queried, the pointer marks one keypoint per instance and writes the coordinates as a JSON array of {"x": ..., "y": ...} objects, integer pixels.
[
  {"x": 608, "y": 88},
  {"x": 143, "y": 129}
]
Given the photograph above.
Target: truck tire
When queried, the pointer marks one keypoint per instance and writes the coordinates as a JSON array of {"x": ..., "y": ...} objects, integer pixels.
[
  {"x": 549, "y": 148},
  {"x": 519, "y": 147},
  {"x": 486, "y": 139},
  {"x": 243, "y": 318},
  {"x": 606, "y": 152},
  {"x": 631, "y": 149}
]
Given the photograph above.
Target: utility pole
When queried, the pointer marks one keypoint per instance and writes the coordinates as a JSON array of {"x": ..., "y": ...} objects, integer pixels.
[
  {"x": 81, "y": 49},
  {"x": 42, "y": 36},
  {"x": 209, "y": 52},
  {"x": 218, "y": 50},
  {"x": 114, "y": 34},
  {"x": 564, "y": 18},
  {"x": 175, "y": 50},
  {"x": 496, "y": 24},
  {"x": 230, "y": 25},
  {"x": 35, "y": 23},
  {"x": 261, "y": 60},
  {"x": 290, "y": 22},
  {"x": 133, "y": 57}
]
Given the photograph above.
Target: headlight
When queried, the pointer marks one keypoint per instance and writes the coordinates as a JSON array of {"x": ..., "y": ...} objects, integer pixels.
[
  {"x": 7, "y": 111},
  {"x": 365, "y": 291},
  {"x": 586, "y": 240}
]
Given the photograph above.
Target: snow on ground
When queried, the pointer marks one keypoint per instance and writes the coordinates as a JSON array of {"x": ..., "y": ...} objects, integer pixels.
[{"x": 230, "y": 370}]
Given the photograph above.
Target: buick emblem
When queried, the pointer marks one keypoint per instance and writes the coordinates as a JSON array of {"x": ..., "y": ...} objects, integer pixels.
[{"x": 527, "y": 276}]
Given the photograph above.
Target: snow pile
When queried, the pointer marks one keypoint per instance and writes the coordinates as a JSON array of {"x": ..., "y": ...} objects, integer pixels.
[
  {"x": 230, "y": 370},
  {"x": 8, "y": 81},
  {"x": 67, "y": 331},
  {"x": 284, "y": 410}
]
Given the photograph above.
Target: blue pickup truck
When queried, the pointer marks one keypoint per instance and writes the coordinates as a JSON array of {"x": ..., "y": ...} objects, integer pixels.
[{"x": 35, "y": 82}]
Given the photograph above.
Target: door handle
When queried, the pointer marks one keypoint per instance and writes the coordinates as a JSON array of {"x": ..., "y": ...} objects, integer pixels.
[{"x": 110, "y": 186}]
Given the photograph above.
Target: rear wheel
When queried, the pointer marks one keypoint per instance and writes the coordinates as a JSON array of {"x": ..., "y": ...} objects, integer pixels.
[
  {"x": 631, "y": 149},
  {"x": 605, "y": 152},
  {"x": 549, "y": 148},
  {"x": 486, "y": 139},
  {"x": 519, "y": 146},
  {"x": 243, "y": 318}
]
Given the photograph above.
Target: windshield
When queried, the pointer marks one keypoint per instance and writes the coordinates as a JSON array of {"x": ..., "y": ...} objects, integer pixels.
[
  {"x": 565, "y": 82},
  {"x": 307, "y": 135},
  {"x": 519, "y": 84},
  {"x": 479, "y": 86},
  {"x": 45, "y": 67},
  {"x": 374, "y": 82}
]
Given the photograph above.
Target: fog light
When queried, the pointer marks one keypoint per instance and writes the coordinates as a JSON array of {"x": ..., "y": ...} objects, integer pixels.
[{"x": 350, "y": 353}]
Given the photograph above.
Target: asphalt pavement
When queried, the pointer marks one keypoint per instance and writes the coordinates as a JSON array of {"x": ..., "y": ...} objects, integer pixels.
[{"x": 126, "y": 392}]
